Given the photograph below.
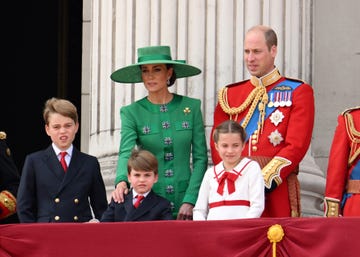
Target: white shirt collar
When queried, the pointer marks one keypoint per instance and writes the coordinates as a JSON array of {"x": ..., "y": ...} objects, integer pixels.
[
  {"x": 135, "y": 193},
  {"x": 68, "y": 151}
]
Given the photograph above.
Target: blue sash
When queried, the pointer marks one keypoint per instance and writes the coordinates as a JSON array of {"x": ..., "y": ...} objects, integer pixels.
[
  {"x": 355, "y": 175},
  {"x": 286, "y": 85}
]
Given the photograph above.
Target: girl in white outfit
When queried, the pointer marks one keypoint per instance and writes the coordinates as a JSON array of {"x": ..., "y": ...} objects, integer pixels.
[{"x": 234, "y": 188}]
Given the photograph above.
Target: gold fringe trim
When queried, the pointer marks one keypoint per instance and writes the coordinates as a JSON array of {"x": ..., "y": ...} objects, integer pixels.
[
  {"x": 354, "y": 136},
  {"x": 257, "y": 98}
]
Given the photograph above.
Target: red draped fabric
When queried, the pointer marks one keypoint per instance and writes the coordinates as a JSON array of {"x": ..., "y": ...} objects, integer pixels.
[{"x": 230, "y": 238}]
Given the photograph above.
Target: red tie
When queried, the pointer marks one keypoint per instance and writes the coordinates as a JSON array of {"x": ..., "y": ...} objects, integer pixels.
[
  {"x": 62, "y": 161},
  {"x": 139, "y": 198}
]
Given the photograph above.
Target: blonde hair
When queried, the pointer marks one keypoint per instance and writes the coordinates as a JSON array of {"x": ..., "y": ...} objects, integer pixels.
[{"x": 60, "y": 106}]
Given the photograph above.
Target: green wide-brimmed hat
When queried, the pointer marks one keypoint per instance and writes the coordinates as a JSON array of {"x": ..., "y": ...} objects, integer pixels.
[{"x": 153, "y": 55}]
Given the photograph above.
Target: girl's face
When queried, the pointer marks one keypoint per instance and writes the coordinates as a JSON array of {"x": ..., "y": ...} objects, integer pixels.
[
  {"x": 229, "y": 147},
  {"x": 155, "y": 77},
  {"x": 142, "y": 181},
  {"x": 61, "y": 130}
]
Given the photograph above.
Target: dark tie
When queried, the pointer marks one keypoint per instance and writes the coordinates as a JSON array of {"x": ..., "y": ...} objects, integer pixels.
[
  {"x": 139, "y": 198},
  {"x": 62, "y": 161}
]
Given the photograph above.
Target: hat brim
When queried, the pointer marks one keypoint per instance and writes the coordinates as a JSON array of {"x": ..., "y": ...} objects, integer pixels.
[{"x": 132, "y": 73}]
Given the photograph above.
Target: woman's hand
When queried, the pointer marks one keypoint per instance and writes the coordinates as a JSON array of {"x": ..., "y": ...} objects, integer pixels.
[
  {"x": 119, "y": 192},
  {"x": 185, "y": 212}
]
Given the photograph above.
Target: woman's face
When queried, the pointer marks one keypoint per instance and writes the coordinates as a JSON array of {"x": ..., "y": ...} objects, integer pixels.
[{"x": 155, "y": 76}]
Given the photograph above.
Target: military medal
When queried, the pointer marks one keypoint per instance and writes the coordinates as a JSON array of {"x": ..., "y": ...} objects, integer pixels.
[
  {"x": 276, "y": 117},
  {"x": 288, "y": 99},
  {"x": 271, "y": 103},
  {"x": 277, "y": 102},
  {"x": 275, "y": 137},
  {"x": 282, "y": 99}
]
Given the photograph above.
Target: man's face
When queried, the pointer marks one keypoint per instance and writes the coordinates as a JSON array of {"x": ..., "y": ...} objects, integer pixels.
[{"x": 258, "y": 58}]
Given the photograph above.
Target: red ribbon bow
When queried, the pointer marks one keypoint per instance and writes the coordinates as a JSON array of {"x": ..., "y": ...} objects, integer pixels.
[{"x": 230, "y": 178}]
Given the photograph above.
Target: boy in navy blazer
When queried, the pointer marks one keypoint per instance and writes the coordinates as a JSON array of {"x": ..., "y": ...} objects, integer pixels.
[
  {"x": 56, "y": 190},
  {"x": 142, "y": 174}
]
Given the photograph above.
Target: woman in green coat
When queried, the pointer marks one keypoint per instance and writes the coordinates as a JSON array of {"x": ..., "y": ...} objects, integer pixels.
[{"x": 167, "y": 124}]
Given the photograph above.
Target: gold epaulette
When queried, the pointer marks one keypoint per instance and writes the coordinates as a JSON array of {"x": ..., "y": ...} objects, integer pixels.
[
  {"x": 2, "y": 135},
  {"x": 350, "y": 109},
  {"x": 353, "y": 134},
  {"x": 7, "y": 204}
]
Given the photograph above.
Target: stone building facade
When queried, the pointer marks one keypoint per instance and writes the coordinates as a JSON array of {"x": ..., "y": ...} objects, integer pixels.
[{"x": 209, "y": 34}]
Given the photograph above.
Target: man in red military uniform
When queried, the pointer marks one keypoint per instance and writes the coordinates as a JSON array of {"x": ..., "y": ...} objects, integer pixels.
[
  {"x": 278, "y": 115},
  {"x": 342, "y": 190},
  {"x": 9, "y": 183}
]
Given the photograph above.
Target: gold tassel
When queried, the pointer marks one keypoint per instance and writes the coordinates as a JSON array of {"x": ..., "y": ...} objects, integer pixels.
[{"x": 275, "y": 234}]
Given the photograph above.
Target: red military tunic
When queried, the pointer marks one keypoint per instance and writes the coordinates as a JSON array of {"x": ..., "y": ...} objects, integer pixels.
[
  {"x": 282, "y": 139},
  {"x": 342, "y": 191},
  {"x": 9, "y": 183}
]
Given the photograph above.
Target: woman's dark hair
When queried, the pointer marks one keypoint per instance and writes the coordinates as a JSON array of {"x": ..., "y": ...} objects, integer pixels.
[{"x": 173, "y": 76}]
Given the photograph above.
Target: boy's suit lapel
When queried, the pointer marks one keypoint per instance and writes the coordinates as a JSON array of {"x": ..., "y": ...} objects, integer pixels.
[
  {"x": 53, "y": 163},
  {"x": 144, "y": 207},
  {"x": 129, "y": 207},
  {"x": 54, "y": 166}
]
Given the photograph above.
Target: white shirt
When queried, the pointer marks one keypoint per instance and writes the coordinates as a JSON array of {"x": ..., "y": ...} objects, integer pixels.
[
  {"x": 249, "y": 186},
  {"x": 67, "y": 156},
  {"x": 135, "y": 194}
]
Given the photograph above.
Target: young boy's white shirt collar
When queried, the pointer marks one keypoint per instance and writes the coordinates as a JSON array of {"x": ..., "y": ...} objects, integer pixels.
[
  {"x": 68, "y": 151},
  {"x": 135, "y": 193}
]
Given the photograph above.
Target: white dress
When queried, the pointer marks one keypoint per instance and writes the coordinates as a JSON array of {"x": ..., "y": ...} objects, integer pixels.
[{"x": 247, "y": 201}]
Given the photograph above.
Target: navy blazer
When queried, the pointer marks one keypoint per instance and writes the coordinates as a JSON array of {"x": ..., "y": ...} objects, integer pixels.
[
  {"x": 48, "y": 194},
  {"x": 153, "y": 207}
]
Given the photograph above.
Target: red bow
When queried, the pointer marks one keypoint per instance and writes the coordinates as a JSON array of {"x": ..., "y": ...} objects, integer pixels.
[{"x": 230, "y": 178}]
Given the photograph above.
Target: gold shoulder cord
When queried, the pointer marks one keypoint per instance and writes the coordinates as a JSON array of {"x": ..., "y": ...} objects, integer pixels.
[
  {"x": 354, "y": 136},
  {"x": 257, "y": 95}
]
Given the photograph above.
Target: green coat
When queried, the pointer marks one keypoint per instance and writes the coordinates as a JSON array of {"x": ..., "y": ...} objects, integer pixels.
[{"x": 175, "y": 134}]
